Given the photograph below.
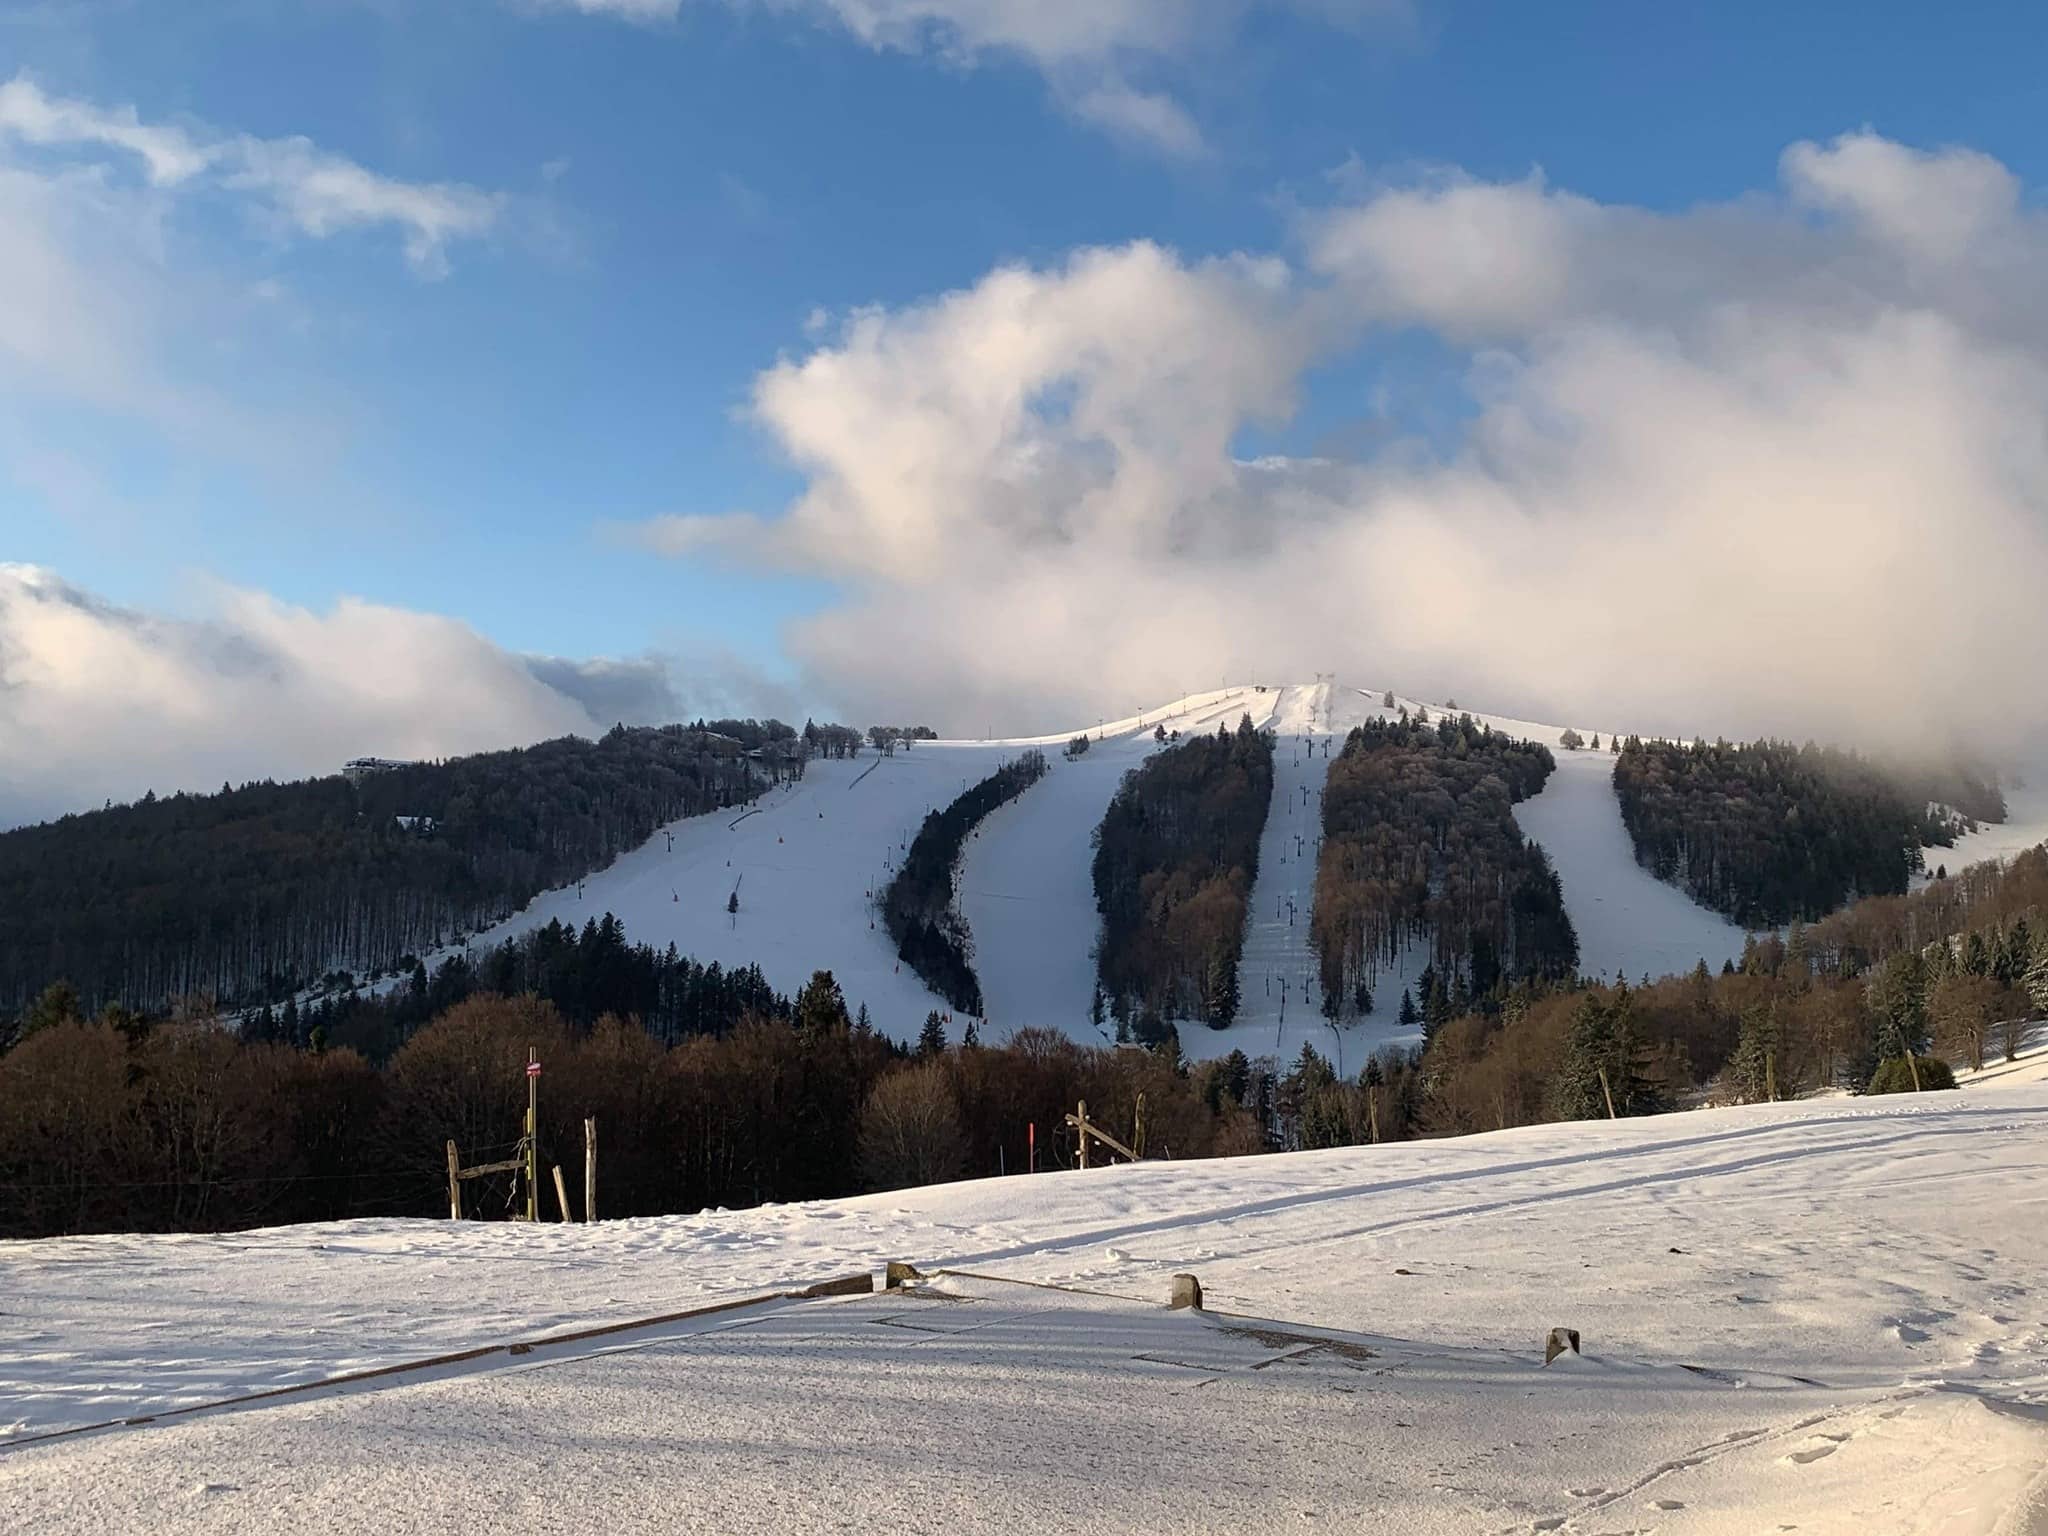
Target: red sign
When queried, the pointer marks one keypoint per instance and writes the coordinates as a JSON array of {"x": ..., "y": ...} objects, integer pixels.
[{"x": 533, "y": 1069}]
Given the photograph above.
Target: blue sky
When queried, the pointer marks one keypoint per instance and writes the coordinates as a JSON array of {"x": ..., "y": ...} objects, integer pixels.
[{"x": 685, "y": 195}]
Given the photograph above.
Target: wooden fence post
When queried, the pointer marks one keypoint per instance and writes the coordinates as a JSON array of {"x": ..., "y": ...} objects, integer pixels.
[
  {"x": 1081, "y": 1121},
  {"x": 454, "y": 1184},
  {"x": 561, "y": 1192},
  {"x": 590, "y": 1167},
  {"x": 1609, "y": 1095}
]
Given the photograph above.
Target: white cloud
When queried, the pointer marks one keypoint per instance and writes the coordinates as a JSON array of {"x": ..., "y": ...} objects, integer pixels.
[
  {"x": 321, "y": 194},
  {"x": 28, "y": 114},
  {"x": 1935, "y": 206},
  {"x": 1090, "y": 51},
  {"x": 1754, "y": 466},
  {"x": 98, "y": 701},
  {"x": 311, "y": 191},
  {"x": 1148, "y": 117}
]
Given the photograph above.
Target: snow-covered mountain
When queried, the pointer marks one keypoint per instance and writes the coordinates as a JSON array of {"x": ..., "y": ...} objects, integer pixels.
[{"x": 809, "y": 862}]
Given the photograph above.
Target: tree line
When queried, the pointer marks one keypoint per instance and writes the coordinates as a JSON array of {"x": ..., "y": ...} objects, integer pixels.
[
  {"x": 1887, "y": 991},
  {"x": 920, "y": 908},
  {"x": 1176, "y": 854},
  {"x": 1767, "y": 832},
  {"x": 120, "y": 1123},
  {"x": 126, "y": 1122},
  {"x": 1420, "y": 845},
  {"x": 253, "y": 894}
]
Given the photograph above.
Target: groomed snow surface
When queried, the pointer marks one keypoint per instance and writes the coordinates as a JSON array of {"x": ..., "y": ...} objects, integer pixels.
[{"x": 1821, "y": 1317}]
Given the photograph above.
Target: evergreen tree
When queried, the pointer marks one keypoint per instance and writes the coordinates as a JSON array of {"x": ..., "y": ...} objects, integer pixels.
[
  {"x": 821, "y": 1006},
  {"x": 1436, "y": 1009},
  {"x": 1409, "y": 1018},
  {"x": 1897, "y": 998},
  {"x": 2037, "y": 976},
  {"x": 1754, "y": 1066},
  {"x": 931, "y": 1040},
  {"x": 1602, "y": 1059}
]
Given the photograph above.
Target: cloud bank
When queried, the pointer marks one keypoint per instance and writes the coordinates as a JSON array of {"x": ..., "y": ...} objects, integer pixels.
[
  {"x": 1778, "y": 464},
  {"x": 102, "y": 702}
]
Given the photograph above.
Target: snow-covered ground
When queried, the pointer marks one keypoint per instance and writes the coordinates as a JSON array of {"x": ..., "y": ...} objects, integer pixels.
[
  {"x": 1026, "y": 878},
  {"x": 2025, "y": 826},
  {"x": 1626, "y": 918},
  {"x": 1829, "y": 1316},
  {"x": 807, "y": 865},
  {"x": 1281, "y": 1004}
]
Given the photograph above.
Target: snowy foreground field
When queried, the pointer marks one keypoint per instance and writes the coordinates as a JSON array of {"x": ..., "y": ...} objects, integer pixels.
[{"x": 1830, "y": 1316}]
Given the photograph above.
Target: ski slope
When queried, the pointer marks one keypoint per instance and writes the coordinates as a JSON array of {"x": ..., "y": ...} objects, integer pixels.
[
  {"x": 807, "y": 866},
  {"x": 1829, "y": 1316},
  {"x": 809, "y": 862},
  {"x": 2025, "y": 826},
  {"x": 1026, "y": 878}
]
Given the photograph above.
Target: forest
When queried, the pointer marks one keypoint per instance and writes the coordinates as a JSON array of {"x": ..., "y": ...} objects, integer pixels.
[
  {"x": 1767, "y": 832},
  {"x": 254, "y": 893},
  {"x": 181, "y": 1123},
  {"x": 919, "y": 908},
  {"x": 1420, "y": 845},
  {"x": 1175, "y": 858},
  {"x": 585, "y": 975}
]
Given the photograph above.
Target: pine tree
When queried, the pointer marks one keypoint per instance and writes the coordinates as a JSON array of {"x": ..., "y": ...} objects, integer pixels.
[
  {"x": 1754, "y": 1066},
  {"x": 1601, "y": 1043},
  {"x": 931, "y": 1040},
  {"x": 820, "y": 1006},
  {"x": 1897, "y": 997},
  {"x": 971, "y": 1036},
  {"x": 1436, "y": 1009},
  {"x": 1409, "y": 1018},
  {"x": 2037, "y": 977}
]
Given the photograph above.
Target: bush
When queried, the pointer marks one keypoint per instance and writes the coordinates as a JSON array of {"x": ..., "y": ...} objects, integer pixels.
[{"x": 1895, "y": 1075}]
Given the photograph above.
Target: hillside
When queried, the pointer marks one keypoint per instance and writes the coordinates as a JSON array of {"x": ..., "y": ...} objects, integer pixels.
[
  {"x": 1781, "y": 1308},
  {"x": 808, "y": 861}
]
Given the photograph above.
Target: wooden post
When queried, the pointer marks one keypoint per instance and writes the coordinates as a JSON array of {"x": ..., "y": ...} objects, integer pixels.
[
  {"x": 1771, "y": 1076},
  {"x": 590, "y": 1167},
  {"x": 454, "y": 1184},
  {"x": 532, "y": 1135},
  {"x": 1081, "y": 1130},
  {"x": 561, "y": 1192},
  {"x": 1138, "y": 1131},
  {"x": 1372, "y": 1112},
  {"x": 1609, "y": 1094}
]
